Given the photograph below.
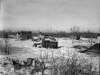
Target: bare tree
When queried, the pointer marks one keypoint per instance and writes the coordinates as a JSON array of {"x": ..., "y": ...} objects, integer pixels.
[{"x": 75, "y": 31}]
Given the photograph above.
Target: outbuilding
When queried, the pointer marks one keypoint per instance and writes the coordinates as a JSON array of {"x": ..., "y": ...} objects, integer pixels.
[{"x": 49, "y": 43}]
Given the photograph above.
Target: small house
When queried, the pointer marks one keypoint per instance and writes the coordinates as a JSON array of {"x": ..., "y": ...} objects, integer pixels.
[{"x": 49, "y": 43}]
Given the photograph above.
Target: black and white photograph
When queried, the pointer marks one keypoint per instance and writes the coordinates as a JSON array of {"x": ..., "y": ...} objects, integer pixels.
[{"x": 49, "y": 37}]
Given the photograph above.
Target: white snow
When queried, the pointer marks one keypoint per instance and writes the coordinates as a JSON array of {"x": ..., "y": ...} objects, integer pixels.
[{"x": 66, "y": 49}]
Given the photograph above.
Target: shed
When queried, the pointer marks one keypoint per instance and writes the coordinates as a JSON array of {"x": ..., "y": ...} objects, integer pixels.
[{"x": 48, "y": 43}]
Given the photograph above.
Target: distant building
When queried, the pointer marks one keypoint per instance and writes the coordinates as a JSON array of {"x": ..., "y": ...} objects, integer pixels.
[{"x": 24, "y": 35}]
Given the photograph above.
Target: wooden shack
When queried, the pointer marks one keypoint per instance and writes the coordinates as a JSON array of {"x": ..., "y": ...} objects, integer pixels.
[{"x": 48, "y": 43}]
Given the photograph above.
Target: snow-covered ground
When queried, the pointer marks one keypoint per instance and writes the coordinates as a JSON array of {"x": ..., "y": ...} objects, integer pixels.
[
  {"x": 65, "y": 44},
  {"x": 26, "y": 50}
]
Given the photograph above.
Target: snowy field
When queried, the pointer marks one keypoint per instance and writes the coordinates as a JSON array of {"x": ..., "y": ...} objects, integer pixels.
[{"x": 25, "y": 49}]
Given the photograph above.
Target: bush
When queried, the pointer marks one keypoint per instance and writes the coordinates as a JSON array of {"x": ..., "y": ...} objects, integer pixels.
[{"x": 71, "y": 66}]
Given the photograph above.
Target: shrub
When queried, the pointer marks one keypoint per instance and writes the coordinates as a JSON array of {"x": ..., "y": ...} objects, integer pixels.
[{"x": 71, "y": 66}]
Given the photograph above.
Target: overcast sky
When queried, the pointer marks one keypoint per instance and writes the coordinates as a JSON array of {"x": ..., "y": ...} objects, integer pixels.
[{"x": 50, "y": 15}]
